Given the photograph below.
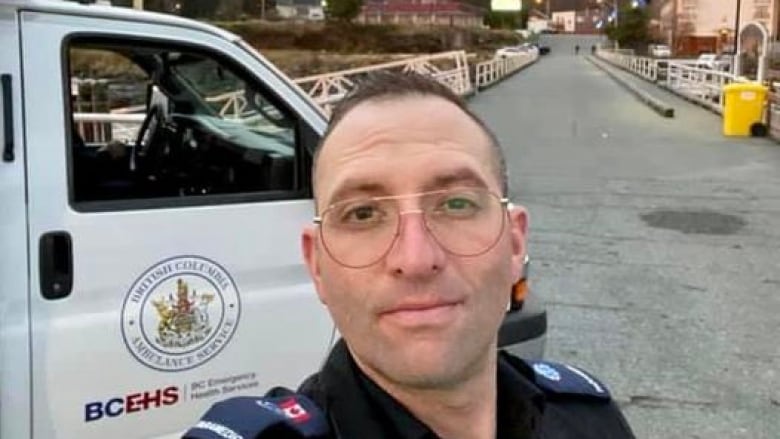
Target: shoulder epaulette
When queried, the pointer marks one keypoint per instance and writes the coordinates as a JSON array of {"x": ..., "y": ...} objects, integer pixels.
[
  {"x": 557, "y": 378},
  {"x": 279, "y": 414}
]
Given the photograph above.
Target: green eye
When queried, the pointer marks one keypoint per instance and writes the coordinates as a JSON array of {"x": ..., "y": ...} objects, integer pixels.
[{"x": 458, "y": 204}]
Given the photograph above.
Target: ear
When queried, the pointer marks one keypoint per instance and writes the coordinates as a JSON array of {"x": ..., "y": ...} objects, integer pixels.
[
  {"x": 518, "y": 231},
  {"x": 311, "y": 255}
]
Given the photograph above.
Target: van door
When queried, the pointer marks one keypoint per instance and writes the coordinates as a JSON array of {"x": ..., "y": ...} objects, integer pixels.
[
  {"x": 167, "y": 172},
  {"x": 14, "y": 318}
]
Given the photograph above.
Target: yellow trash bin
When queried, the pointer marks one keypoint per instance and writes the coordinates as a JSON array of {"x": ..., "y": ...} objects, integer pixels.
[{"x": 743, "y": 107}]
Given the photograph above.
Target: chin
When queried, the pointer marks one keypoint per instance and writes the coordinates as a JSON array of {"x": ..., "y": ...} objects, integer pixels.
[
  {"x": 430, "y": 375},
  {"x": 427, "y": 363}
]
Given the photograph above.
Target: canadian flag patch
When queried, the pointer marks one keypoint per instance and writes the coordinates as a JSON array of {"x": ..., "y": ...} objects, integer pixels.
[{"x": 294, "y": 411}]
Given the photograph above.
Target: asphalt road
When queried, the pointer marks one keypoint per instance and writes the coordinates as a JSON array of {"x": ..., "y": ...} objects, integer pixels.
[{"x": 654, "y": 242}]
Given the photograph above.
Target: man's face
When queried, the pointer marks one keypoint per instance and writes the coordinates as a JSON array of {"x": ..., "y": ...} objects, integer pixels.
[{"x": 420, "y": 316}]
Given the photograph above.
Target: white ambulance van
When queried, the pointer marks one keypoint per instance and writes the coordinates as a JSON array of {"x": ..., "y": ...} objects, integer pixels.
[{"x": 154, "y": 181}]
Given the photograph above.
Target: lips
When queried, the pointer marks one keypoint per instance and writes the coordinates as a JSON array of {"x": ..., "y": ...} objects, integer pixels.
[{"x": 423, "y": 313}]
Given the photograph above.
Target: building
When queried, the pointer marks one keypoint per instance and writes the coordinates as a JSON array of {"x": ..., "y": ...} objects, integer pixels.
[
  {"x": 588, "y": 21},
  {"x": 538, "y": 22},
  {"x": 681, "y": 23},
  {"x": 301, "y": 9},
  {"x": 565, "y": 21},
  {"x": 422, "y": 12}
]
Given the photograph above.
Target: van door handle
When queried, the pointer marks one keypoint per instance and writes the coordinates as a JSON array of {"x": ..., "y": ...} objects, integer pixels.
[
  {"x": 8, "y": 120},
  {"x": 55, "y": 261}
]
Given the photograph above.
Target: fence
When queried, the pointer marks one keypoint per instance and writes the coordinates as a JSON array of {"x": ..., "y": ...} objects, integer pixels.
[
  {"x": 683, "y": 77},
  {"x": 450, "y": 68},
  {"x": 647, "y": 68},
  {"x": 702, "y": 85},
  {"x": 492, "y": 71}
]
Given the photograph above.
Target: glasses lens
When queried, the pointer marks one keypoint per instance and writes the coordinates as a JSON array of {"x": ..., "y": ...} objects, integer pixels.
[
  {"x": 466, "y": 222},
  {"x": 357, "y": 233}
]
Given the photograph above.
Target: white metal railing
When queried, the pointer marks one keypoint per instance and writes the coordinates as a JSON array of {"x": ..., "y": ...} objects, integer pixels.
[
  {"x": 643, "y": 66},
  {"x": 702, "y": 85},
  {"x": 101, "y": 128},
  {"x": 681, "y": 76},
  {"x": 773, "y": 98},
  {"x": 450, "y": 68},
  {"x": 489, "y": 72}
]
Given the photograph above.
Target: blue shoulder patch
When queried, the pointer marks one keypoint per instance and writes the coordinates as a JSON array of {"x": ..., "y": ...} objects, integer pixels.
[
  {"x": 252, "y": 417},
  {"x": 560, "y": 378}
]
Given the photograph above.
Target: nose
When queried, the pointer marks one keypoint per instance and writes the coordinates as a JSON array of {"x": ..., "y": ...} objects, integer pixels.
[{"x": 415, "y": 252}]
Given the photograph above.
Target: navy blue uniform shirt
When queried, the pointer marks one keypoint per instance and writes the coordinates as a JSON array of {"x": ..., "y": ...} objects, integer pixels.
[{"x": 535, "y": 400}]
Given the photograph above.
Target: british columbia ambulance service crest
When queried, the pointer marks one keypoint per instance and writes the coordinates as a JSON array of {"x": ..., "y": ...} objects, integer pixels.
[{"x": 180, "y": 313}]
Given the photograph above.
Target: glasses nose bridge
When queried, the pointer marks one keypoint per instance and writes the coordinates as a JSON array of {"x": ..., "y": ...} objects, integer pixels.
[{"x": 412, "y": 204}]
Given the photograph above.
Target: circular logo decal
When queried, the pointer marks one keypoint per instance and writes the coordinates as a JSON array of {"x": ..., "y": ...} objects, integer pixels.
[
  {"x": 547, "y": 371},
  {"x": 180, "y": 313}
]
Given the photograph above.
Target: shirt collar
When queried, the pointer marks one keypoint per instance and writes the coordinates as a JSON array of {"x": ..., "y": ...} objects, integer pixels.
[{"x": 357, "y": 405}]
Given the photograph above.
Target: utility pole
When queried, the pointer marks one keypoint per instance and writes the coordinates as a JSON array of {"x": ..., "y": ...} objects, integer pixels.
[
  {"x": 673, "y": 39},
  {"x": 138, "y": 4},
  {"x": 617, "y": 22},
  {"x": 736, "y": 63}
]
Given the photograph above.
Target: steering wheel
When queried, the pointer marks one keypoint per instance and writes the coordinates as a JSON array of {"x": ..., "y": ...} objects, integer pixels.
[
  {"x": 256, "y": 101},
  {"x": 148, "y": 144}
]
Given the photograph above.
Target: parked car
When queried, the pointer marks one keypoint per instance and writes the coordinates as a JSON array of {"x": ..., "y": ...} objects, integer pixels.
[
  {"x": 543, "y": 50},
  {"x": 525, "y": 48},
  {"x": 506, "y": 52},
  {"x": 659, "y": 51},
  {"x": 714, "y": 61},
  {"x": 531, "y": 48}
]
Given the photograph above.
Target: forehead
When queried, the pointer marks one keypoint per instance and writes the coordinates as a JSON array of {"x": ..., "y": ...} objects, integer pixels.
[{"x": 403, "y": 145}]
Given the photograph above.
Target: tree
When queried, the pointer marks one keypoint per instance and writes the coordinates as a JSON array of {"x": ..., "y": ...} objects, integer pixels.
[
  {"x": 506, "y": 19},
  {"x": 343, "y": 10},
  {"x": 632, "y": 30},
  {"x": 198, "y": 8}
]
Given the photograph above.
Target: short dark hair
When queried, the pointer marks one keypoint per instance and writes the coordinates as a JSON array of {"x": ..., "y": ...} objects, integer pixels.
[{"x": 388, "y": 85}]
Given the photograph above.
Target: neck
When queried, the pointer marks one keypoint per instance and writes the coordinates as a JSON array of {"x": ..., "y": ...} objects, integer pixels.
[{"x": 466, "y": 410}]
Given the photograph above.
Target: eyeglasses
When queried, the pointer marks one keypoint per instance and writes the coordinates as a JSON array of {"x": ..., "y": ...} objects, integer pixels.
[{"x": 359, "y": 232}]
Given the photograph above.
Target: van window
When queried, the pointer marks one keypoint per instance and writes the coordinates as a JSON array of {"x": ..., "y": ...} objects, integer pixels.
[{"x": 155, "y": 122}]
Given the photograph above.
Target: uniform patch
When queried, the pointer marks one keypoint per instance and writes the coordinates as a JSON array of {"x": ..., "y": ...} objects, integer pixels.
[
  {"x": 180, "y": 313},
  {"x": 564, "y": 379},
  {"x": 546, "y": 371},
  {"x": 291, "y": 415}
]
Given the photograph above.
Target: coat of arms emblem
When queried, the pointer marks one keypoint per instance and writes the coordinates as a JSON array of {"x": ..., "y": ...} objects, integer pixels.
[
  {"x": 180, "y": 313},
  {"x": 184, "y": 317}
]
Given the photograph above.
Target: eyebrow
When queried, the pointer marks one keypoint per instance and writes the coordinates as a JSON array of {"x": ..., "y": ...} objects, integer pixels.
[
  {"x": 459, "y": 177},
  {"x": 353, "y": 188},
  {"x": 350, "y": 189}
]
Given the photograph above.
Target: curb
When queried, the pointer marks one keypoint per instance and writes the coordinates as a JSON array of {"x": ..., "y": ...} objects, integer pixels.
[
  {"x": 688, "y": 99},
  {"x": 656, "y": 104}
]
